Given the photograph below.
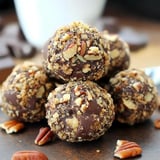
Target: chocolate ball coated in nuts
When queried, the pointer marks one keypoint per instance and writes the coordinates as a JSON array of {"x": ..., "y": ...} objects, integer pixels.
[
  {"x": 119, "y": 53},
  {"x": 135, "y": 96},
  {"x": 79, "y": 111},
  {"x": 25, "y": 91},
  {"x": 76, "y": 52}
]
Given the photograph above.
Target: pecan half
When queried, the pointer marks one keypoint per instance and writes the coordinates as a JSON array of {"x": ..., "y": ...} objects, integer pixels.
[
  {"x": 30, "y": 155},
  {"x": 83, "y": 48},
  {"x": 127, "y": 149},
  {"x": 45, "y": 135},
  {"x": 12, "y": 126},
  {"x": 157, "y": 123}
]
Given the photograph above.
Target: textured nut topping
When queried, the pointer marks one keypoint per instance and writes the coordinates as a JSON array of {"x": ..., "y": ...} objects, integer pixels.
[
  {"x": 135, "y": 96},
  {"x": 12, "y": 126},
  {"x": 77, "y": 52},
  {"x": 70, "y": 52},
  {"x": 127, "y": 149},
  {"x": 29, "y": 155},
  {"x": 25, "y": 91},
  {"x": 84, "y": 115},
  {"x": 119, "y": 53}
]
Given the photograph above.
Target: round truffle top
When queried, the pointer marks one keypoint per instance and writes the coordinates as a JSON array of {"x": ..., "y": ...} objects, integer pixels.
[
  {"x": 76, "y": 52},
  {"x": 79, "y": 111},
  {"x": 25, "y": 91}
]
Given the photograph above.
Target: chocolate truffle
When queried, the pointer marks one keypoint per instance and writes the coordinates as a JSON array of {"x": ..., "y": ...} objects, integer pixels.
[
  {"x": 76, "y": 52},
  {"x": 79, "y": 111},
  {"x": 119, "y": 53},
  {"x": 135, "y": 96},
  {"x": 24, "y": 93}
]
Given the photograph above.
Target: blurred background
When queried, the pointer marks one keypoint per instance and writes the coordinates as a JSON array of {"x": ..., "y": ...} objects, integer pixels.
[
  {"x": 147, "y": 8},
  {"x": 136, "y": 21}
]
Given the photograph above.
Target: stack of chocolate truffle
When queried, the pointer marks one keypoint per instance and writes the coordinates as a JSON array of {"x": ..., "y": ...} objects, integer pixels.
[{"x": 78, "y": 109}]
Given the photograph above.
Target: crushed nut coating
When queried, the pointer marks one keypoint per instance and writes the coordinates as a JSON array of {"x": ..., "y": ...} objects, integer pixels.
[
  {"x": 119, "y": 53},
  {"x": 76, "y": 52},
  {"x": 79, "y": 111},
  {"x": 135, "y": 96},
  {"x": 24, "y": 93}
]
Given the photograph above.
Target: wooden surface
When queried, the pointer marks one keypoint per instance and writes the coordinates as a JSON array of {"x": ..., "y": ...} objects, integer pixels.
[{"x": 144, "y": 134}]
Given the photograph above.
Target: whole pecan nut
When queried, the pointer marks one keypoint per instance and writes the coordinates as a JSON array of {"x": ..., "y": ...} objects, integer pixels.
[
  {"x": 12, "y": 126},
  {"x": 45, "y": 135},
  {"x": 29, "y": 155}
]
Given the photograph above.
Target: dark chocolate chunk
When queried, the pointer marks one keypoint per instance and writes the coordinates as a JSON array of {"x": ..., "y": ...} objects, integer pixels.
[
  {"x": 135, "y": 39},
  {"x": 12, "y": 38},
  {"x": 108, "y": 23},
  {"x": 21, "y": 49}
]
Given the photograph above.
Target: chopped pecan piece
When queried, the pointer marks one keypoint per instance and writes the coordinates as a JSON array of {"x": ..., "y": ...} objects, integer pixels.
[
  {"x": 12, "y": 126},
  {"x": 45, "y": 135},
  {"x": 157, "y": 123},
  {"x": 127, "y": 149}
]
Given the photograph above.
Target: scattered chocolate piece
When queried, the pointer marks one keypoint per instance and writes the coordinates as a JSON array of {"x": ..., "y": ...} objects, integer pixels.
[
  {"x": 11, "y": 30},
  {"x": 4, "y": 51},
  {"x": 13, "y": 42},
  {"x": 108, "y": 23},
  {"x": 21, "y": 49},
  {"x": 135, "y": 39}
]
